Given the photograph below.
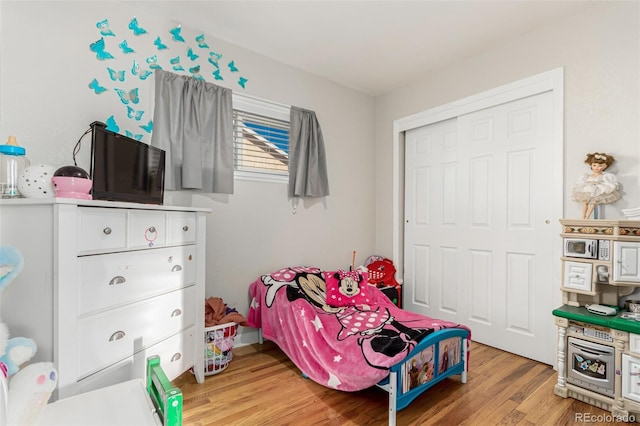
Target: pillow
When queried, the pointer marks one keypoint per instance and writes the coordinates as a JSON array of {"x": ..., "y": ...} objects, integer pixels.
[{"x": 346, "y": 288}]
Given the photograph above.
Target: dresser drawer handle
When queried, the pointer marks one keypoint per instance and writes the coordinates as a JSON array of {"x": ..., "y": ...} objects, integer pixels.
[
  {"x": 117, "y": 280},
  {"x": 106, "y": 231},
  {"x": 176, "y": 268},
  {"x": 176, "y": 356},
  {"x": 116, "y": 336},
  {"x": 177, "y": 312},
  {"x": 185, "y": 228}
]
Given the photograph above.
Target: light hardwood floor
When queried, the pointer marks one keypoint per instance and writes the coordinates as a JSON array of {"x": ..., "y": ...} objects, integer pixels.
[{"x": 262, "y": 387}]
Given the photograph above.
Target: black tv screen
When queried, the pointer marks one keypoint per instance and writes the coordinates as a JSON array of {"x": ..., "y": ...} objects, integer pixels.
[{"x": 124, "y": 169}]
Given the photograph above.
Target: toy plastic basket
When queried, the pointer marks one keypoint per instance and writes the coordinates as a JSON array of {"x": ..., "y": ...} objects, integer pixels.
[{"x": 218, "y": 341}]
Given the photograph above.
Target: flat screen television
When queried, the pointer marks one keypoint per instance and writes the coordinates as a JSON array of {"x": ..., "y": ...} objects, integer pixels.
[{"x": 124, "y": 169}]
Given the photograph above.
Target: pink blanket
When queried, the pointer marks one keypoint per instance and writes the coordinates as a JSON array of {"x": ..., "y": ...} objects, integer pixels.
[{"x": 347, "y": 348}]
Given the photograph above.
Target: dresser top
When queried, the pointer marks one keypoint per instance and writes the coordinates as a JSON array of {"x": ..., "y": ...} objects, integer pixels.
[{"x": 97, "y": 203}]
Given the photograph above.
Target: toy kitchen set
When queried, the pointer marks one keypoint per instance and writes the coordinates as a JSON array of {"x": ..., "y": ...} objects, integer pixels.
[{"x": 599, "y": 322}]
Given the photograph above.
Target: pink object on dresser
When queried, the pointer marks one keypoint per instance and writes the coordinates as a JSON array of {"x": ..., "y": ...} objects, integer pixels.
[{"x": 72, "y": 187}]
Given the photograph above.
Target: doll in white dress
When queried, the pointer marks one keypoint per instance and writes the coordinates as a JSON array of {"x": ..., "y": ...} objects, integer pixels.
[{"x": 597, "y": 187}]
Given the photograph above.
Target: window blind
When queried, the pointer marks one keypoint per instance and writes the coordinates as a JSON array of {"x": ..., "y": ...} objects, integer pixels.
[{"x": 261, "y": 143}]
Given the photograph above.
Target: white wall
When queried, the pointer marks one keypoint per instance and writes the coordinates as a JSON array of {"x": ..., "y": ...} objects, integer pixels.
[
  {"x": 600, "y": 52},
  {"x": 45, "y": 101}
]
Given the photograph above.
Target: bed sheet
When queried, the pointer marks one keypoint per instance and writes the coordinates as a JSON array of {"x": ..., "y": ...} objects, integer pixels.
[{"x": 348, "y": 348}]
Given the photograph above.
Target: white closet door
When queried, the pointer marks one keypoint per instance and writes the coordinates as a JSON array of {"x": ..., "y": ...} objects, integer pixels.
[{"x": 478, "y": 228}]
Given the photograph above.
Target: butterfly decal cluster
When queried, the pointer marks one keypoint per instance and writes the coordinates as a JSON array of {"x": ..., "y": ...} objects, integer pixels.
[{"x": 126, "y": 77}]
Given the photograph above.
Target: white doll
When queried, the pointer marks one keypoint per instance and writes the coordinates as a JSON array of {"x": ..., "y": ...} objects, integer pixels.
[{"x": 597, "y": 187}]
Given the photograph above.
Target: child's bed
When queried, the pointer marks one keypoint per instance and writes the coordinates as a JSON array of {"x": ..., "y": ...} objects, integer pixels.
[{"x": 360, "y": 345}]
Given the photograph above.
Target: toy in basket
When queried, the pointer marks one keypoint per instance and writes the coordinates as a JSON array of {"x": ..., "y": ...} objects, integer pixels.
[{"x": 218, "y": 347}]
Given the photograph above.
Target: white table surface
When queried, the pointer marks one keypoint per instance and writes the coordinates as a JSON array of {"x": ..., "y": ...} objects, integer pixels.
[{"x": 123, "y": 404}]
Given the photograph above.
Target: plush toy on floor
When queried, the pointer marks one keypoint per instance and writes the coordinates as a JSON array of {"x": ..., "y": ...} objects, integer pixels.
[
  {"x": 18, "y": 350},
  {"x": 29, "y": 389}
]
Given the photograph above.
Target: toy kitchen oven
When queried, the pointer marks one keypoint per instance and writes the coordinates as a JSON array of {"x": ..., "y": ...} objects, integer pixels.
[{"x": 591, "y": 365}]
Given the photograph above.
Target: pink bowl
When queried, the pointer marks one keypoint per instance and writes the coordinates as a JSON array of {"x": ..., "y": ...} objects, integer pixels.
[{"x": 72, "y": 187}]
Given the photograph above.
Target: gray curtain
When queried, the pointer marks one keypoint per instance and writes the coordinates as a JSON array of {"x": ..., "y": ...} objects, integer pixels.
[
  {"x": 193, "y": 123},
  {"x": 307, "y": 161}
]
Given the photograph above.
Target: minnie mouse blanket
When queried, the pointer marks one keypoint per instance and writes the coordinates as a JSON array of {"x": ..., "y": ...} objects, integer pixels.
[{"x": 342, "y": 347}]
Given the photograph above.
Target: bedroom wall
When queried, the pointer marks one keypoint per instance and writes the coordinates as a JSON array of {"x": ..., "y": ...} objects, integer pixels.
[
  {"x": 600, "y": 52},
  {"x": 46, "y": 102}
]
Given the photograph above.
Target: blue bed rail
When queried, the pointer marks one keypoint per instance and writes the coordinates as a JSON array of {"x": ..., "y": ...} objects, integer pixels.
[{"x": 401, "y": 393}]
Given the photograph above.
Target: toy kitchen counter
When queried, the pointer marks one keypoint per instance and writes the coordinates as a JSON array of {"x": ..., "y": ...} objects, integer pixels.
[
  {"x": 615, "y": 322},
  {"x": 599, "y": 360}
]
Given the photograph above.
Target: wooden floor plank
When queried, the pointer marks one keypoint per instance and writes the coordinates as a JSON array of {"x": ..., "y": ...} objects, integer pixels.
[{"x": 262, "y": 387}]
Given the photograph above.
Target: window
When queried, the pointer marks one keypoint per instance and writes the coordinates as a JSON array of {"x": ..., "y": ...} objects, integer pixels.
[{"x": 260, "y": 139}]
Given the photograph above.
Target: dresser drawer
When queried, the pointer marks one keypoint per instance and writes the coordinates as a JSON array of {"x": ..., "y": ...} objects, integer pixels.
[
  {"x": 109, "y": 280},
  {"x": 108, "y": 337},
  {"x": 101, "y": 229},
  {"x": 147, "y": 229},
  {"x": 176, "y": 356},
  {"x": 182, "y": 227}
]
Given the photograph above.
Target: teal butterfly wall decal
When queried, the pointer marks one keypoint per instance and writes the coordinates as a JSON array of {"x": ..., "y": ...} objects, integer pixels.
[
  {"x": 159, "y": 44},
  {"x": 96, "y": 87},
  {"x": 135, "y": 27},
  {"x": 147, "y": 127},
  {"x": 112, "y": 125},
  {"x": 98, "y": 47},
  {"x": 152, "y": 61},
  {"x": 124, "y": 45},
  {"x": 176, "y": 64},
  {"x": 128, "y": 96},
  {"x": 132, "y": 113},
  {"x": 137, "y": 137},
  {"x": 115, "y": 75},
  {"x": 175, "y": 32},
  {"x": 201, "y": 43},
  {"x": 144, "y": 74},
  {"x": 192, "y": 55},
  {"x": 103, "y": 26}
]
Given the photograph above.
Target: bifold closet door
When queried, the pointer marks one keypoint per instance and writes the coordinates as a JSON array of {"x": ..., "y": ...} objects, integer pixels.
[{"x": 478, "y": 226}]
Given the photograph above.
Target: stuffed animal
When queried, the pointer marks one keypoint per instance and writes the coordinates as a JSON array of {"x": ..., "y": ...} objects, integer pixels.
[
  {"x": 18, "y": 350},
  {"x": 29, "y": 392},
  {"x": 11, "y": 263}
]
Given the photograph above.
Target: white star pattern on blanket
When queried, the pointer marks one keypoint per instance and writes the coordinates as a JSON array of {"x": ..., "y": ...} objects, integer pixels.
[
  {"x": 317, "y": 323},
  {"x": 333, "y": 381},
  {"x": 254, "y": 304},
  {"x": 337, "y": 358}
]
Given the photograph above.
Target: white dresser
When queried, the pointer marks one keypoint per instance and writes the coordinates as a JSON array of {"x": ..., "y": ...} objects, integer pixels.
[{"x": 106, "y": 285}]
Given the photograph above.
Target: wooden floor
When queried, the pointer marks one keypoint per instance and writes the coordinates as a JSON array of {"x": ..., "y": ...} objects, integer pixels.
[{"x": 262, "y": 387}]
